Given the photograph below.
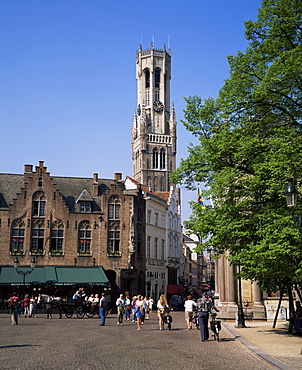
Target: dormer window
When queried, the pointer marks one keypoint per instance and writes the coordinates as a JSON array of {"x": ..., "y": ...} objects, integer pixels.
[
  {"x": 85, "y": 207},
  {"x": 85, "y": 202}
]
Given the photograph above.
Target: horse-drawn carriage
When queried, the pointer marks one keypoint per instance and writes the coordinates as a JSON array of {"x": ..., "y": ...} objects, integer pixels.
[{"x": 68, "y": 307}]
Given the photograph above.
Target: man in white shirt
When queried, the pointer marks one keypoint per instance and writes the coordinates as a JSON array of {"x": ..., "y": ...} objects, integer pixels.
[{"x": 189, "y": 310}]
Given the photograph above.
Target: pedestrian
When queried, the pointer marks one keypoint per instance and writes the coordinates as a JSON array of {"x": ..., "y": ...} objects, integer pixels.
[
  {"x": 298, "y": 318},
  {"x": 162, "y": 306},
  {"x": 151, "y": 302},
  {"x": 13, "y": 308},
  {"x": 138, "y": 311},
  {"x": 127, "y": 308},
  {"x": 102, "y": 309},
  {"x": 26, "y": 302},
  {"x": 147, "y": 308},
  {"x": 204, "y": 306},
  {"x": 32, "y": 307},
  {"x": 120, "y": 304},
  {"x": 190, "y": 305},
  {"x": 133, "y": 305}
]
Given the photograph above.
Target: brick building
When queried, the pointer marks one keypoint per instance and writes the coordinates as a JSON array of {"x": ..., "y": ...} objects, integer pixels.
[{"x": 73, "y": 222}]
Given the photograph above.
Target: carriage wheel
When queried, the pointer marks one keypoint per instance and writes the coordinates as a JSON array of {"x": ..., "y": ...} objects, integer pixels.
[
  {"x": 90, "y": 314},
  {"x": 80, "y": 312},
  {"x": 68, "y": 312}
]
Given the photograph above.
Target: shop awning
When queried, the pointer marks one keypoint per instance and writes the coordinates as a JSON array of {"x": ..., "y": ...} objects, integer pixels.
[
  {"x": 52, "y": 274},
  {"x": 175, "y": 289},
  {"x": 81, "y": 275}
]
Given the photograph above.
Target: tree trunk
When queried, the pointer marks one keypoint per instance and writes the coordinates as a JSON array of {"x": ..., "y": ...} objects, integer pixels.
[{"x": 279, "y": 304}]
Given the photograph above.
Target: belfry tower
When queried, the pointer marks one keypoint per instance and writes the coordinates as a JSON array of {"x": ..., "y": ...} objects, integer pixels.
[{"x": 154, "y": 121}]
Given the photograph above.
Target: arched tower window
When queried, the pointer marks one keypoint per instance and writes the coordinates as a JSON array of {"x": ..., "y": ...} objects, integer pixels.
[
  {"x": 147, "y": 87},
  {"x": 162, "y": 159},
  {"x": 162, "y": 184},
  {"x": 157, "y": 84},
  {"x": 157, "y": 78},
  {"x": 155, "y": 158},
  {"x": 84, "y": 237},
  {"x": 147, "y": 78}
]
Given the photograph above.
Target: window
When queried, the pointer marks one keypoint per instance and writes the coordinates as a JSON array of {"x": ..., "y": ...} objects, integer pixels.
[
  {"x": 147, "y": 79},
  {"x": 170, "y": 244},
  {"x": 155, "y": 158},
  {"x": 162, "y": 249},
  {"x": 38, "y": 206},
  {"x": 17, "y": 238},
  {"x": 56, "y": 237},
  {"x": 84, "y": 238},
  {"x": 37, "y": 240},
  {"x": 155, "y": 247},
  {"x": 147, "y": 97},
  {"x": 114, "y": 241},
  {"x": 114, "y": 208},
  {"x": 148, "y": 216},
  {"x": 157, "y": 78},
  {"x": 170, "y": 221},
  {"x": 156, "y": 219},
  {"x": 148, "y": 246},
  {"x": 162, "y": 159},
  {"x": 85, "y": 207}
]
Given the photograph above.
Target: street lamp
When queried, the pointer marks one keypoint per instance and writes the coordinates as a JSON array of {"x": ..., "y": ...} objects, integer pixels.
[
  {"x": 291, "y": 195},
  {"x": 24, "y": 273},
  {"x": 240, "y": 313}
]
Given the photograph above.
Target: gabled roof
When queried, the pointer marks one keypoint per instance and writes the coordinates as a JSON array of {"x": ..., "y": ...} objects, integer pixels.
[{"x": 84, "y": 197}]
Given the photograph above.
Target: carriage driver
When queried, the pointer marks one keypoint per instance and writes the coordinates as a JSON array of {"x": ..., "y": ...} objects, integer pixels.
[{"x": 79, "y": 296}]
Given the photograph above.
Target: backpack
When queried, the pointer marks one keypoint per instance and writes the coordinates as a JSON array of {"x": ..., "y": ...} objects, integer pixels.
[
  {"x": 13, "y": 302},
  {"x": 204, "y": 305}
]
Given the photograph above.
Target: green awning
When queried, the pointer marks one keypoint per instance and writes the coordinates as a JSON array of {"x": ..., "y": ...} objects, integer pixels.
[
  {"x": 81, "y": 275},
  {"x": 42, "y": 274},
  {"x": 52, "y": 274}
]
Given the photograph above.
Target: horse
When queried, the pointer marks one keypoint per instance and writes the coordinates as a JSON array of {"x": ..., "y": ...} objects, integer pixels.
[{"x": 50, "y": 302}]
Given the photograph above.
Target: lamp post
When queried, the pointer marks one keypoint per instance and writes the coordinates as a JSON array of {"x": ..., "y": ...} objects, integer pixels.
[
  {"x": 100, "y": 220},
  {"x": 240, "y": 313},
  {"x": 26, "y": 272}
]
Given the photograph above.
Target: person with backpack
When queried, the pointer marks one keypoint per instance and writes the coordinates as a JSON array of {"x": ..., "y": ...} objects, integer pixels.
[
  {"x": 13, "y": 308},
  {"x": 204, "y": 307}
]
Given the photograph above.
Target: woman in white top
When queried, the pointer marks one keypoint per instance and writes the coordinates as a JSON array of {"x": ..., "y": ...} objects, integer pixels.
[
  {"x": 161, "y": 310},
  {"x": 189, "y": 309}
]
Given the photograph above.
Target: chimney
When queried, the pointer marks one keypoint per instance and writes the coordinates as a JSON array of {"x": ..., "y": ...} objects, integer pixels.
[
  {"x": 28, "y": 168},
  {"x": 117, "y": 176},
  {"x": 95, "y": 185}
]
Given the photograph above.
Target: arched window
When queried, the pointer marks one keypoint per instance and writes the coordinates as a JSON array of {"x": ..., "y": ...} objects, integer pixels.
[
  {"x": 17, "y": 237},
  {"x": 84, "y": 239},
  {"x": 147, "y": 78},
  {"x": 114, "y": 207},
  {"x": 162, "y": 159},
  {"x": 162, "y": 184},
  {"x": 157, "y": 78},
  {"x": 155, "y": 158},
  {"x": 39, "y": 203},
  {"x": 56, "y": 237}
]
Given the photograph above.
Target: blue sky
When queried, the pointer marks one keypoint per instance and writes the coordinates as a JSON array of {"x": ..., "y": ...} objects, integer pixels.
[{"x": 67, "y": 75}]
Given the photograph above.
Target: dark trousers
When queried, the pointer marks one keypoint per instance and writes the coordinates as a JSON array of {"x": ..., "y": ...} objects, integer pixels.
[
  {"x": 102, "y": 315},
  {"x": 203, "y": 325}
]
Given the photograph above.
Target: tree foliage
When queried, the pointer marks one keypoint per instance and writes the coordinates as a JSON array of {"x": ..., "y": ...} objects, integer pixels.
[{"x": 249, "y": 143}]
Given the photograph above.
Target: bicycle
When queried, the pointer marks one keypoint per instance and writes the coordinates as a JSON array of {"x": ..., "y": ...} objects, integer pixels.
[{"x": 215, "y": 325}]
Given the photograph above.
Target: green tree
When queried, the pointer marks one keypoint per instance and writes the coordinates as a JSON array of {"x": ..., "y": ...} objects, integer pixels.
[{"x": 249, "y": 143}]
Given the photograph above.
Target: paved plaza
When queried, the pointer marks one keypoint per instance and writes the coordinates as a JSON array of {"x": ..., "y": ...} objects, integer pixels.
[{"x": 83, "y": 344}]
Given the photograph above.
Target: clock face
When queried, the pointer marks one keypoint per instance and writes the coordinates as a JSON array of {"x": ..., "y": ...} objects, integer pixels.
[{"x": 158, "y": 106}]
